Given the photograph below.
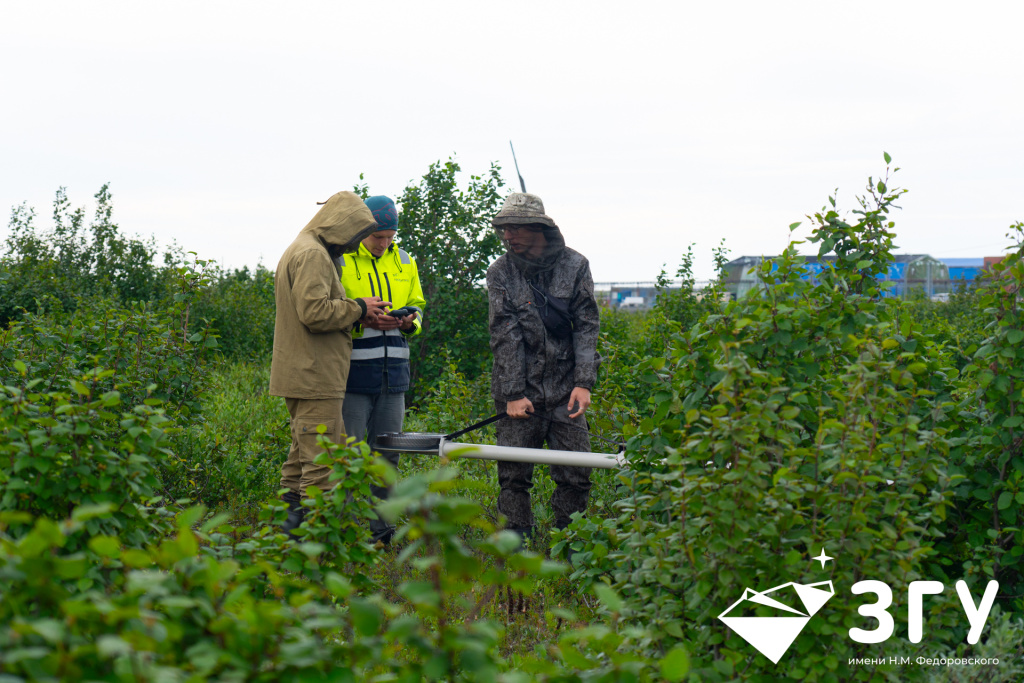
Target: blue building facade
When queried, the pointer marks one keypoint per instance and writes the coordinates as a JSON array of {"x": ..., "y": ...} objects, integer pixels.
[
  {"x": 966, "y": 269},
  {"x": 908, "y": 273}
]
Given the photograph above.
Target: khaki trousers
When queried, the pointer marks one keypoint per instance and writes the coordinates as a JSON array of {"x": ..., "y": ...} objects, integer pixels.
[{"x": 298, "y": 472}]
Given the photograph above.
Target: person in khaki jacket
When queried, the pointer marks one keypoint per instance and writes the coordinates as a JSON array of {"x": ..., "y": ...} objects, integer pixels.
[{"x": 313, "y": 338}]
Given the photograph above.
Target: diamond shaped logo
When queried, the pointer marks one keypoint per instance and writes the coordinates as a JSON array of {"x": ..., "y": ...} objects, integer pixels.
[{"x": 791, "y": 606}]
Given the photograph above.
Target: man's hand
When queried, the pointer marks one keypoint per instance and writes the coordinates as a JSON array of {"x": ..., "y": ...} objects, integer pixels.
[
  {"x": 580, "y": 398},
  {"x": 383, "y": 323},
  {"x": 375, "y": 308},
  {"x": 390, "y": 322},
  {"x": 520, "y": 409},
  {"x": 406, "y": 323}
]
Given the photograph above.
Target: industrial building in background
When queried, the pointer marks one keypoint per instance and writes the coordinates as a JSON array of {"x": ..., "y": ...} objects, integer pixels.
[
  {"x": 933, "y": 277},
  {"x": 909, "y": 273}
]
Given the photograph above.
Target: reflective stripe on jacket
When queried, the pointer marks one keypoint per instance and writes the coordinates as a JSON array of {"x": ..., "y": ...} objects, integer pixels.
[{"x": 380, "y": 361}]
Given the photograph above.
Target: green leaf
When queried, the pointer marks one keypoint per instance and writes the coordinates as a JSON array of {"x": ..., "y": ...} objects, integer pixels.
[
  {"x": 337, "y": 585},
  {"x": 607, "y": 595},
  {"x": 436, "y": 668},
  {"x": 311, "y": 550},
  {"x": 782, "y": 472},
  {"x": 133, "y": 557},
  {"x": 215, "y": 521},
  {"x": 366, "y": 617},
  {"x": 50, "y": 629},
  {"x": 190, "y": 516},
  {"x": 72, "y": 568},
  {"x": 888, "y": 159},
  {"x": 83, "y": 513},
  {"x": 108, "y": 546},
  {"x": 675, "y": 665},
  {"x": 843, "y": 476},
  {"x": 1015, "y": 336},
  {"x": 1005, "y": 500},
  {"x": 112, "y": 646},
  {"x": 673, "y": 628}
]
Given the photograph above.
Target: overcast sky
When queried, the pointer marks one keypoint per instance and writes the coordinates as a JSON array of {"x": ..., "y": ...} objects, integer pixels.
[{"x": 644, "y": 126}]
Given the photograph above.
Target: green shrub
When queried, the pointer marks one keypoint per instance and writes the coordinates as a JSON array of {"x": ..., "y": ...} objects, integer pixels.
[
  {"x": 777, "y": 424},
  {"x": 170, "y": 612},
  {"x": 63, "y": 451},
  {"x": 65, "y": 379},
  {"x": 685, "y": 304},
  {"x": 335, "y": 534},
  {"x": 152, "y": 352},
  {"x": 985, "y": 534},
  {"x": 139, "y": 352},
  {"x": 201, "y": 605},
  {"x": 1005, "y": 643},
  {"x": 70, "y": 263},
  {"x": 239, "y": 306},
  {"x": 807, "y": 416},
  {"x": 232, "y": 458}
]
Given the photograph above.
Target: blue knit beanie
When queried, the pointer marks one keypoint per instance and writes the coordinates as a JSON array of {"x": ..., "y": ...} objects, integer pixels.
[{"x": 384, "y": 212}]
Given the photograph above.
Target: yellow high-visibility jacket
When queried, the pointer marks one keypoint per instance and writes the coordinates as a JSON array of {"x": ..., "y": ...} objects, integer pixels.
[{"x": 380, "y": 361}]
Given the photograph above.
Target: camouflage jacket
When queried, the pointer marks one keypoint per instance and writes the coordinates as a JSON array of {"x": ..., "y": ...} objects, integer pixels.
[{"x": 528, "y": 360}]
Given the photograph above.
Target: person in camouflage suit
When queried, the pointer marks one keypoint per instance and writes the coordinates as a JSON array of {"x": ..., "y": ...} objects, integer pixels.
[{"x": 541, "y": 378}]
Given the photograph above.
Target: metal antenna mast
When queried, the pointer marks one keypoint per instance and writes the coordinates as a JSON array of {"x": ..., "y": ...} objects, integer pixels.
[{"x": 521, "y": 183}]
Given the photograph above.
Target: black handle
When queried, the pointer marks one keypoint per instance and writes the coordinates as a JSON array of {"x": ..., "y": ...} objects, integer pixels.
[{"x": 478, "y": 425}]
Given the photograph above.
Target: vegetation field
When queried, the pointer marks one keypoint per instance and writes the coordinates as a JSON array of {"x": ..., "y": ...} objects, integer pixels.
[{"x": 140, "y": 457}]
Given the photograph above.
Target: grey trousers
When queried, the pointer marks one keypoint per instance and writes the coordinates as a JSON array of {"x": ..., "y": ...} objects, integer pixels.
[
  {"x": 572, "y": 484},
  {"x": 366, "y": 416}
]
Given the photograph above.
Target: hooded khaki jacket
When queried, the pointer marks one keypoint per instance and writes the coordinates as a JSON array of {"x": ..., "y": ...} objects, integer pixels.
[{"x": 312, "y": 331}]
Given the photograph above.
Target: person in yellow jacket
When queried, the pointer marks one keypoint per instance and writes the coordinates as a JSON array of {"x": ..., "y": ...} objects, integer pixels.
[
  {"x": 313, "y": 338},
  {"x": 380, "y": 372}
]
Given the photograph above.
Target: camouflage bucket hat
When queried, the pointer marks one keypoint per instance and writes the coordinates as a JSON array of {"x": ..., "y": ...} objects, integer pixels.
[{"x": 522, "y": 208}]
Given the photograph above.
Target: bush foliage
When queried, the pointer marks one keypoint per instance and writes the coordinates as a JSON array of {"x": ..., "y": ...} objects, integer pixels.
[{"x": 139, "y": 525}]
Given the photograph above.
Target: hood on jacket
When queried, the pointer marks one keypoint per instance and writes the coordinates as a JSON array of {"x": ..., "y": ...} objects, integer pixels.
[{"x": 342, "y": 222}]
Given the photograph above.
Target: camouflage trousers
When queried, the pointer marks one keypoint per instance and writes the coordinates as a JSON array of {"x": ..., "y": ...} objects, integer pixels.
[{"x": 572, "y": 484}]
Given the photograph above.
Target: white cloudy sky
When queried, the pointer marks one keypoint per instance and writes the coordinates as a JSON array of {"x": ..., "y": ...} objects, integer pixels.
[{"x": 643, "y": 125}]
